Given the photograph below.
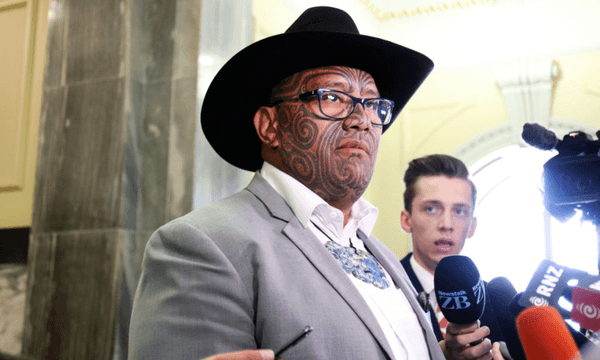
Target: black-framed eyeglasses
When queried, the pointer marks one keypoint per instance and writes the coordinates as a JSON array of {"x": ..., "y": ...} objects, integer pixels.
[{"x": 337, "y": 105}]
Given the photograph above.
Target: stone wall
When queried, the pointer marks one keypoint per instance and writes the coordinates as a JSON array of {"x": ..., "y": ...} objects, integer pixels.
[
  {"x": 115, "y": 161},
  {"x": 13, "y": 281}
]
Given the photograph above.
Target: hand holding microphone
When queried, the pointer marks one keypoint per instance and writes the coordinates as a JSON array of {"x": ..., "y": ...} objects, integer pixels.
[{"x": 460, "y": 293}]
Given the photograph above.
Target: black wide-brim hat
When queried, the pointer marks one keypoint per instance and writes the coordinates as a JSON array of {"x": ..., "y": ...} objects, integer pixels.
[{"x": 321, "y": 36}]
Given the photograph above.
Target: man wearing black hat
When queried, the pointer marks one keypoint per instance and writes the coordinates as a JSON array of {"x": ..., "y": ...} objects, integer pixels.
[{"x": 306, "y": 110}]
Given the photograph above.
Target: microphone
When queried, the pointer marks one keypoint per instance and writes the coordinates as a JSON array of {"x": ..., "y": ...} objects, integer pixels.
[
  {"x": 544, "y": 335},
  {"x": 548, "y": 284},
  {"x": 514, "y": 306},
  {"x": 574, "y": 143},
  {"x": 459, "y": 290},
  {"x": 538, "y": 136},
  {"x": 501, "y": 292},
  {"x": 504, "y": 351},
  {"x": 516, "y": 309},
  {"x": 586, "y": 304}
]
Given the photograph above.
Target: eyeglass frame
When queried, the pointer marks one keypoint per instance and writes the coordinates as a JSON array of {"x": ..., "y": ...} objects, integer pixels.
[{"x": 355, "y": 100}]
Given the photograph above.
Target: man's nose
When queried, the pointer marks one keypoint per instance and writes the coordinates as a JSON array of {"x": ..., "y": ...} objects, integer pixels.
[
  {"x": 358, "y": 119},
  {"x": 446, "y": 221}
]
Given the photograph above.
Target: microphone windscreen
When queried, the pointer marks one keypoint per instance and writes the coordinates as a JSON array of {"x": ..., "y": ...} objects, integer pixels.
[
  {"x": 539, "y": 137},
  {"x": 515, "y": 306},
  {"x": 501, "y": 292},
  {"x": 459, "y": 290},
  {"x": 544, "y": 335}
]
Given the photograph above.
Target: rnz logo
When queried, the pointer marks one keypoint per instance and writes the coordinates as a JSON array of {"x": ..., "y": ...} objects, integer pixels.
[
  {"x": 538, "y": 301},
  {"x": 589, "y": 310}
]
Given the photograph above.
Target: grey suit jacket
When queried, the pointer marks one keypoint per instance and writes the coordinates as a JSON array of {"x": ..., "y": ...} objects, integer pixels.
[{"x": 242, "y": 273}]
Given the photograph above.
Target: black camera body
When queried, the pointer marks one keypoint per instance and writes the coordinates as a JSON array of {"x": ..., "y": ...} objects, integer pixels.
[{"x": 571, "y": 179}]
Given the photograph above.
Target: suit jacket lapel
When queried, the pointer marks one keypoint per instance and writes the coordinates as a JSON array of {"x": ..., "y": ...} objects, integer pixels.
[
  {"x": 411, "y": 274},
  {"x": 319, "y": 257},
  {"x": 417, "y": 284}
]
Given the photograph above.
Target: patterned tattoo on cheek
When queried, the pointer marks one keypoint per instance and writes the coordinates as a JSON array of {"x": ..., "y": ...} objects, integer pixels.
[
  {"x": 311, "y": 152},
  {"x": 298, "y": 135}
]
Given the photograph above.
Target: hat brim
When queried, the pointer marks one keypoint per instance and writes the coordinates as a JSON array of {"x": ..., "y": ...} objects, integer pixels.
[{"x": 244, "y": 83}]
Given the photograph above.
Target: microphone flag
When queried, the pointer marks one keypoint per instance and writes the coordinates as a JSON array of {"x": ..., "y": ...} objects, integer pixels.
[
  {"x": 586, "y": 304},
  {"x": 548, "y": 283}
]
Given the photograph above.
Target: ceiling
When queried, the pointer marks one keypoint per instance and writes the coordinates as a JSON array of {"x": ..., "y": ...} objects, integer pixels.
[{"x": 466, "y": 33}]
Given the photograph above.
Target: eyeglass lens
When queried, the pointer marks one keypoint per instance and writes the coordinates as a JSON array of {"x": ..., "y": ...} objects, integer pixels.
[{"x": 339, "y": 105}]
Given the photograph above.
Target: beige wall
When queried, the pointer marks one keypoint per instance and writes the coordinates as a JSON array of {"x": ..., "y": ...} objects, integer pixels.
[
  {"x": 270, "y": 17},
  {"x": 450, "y": 108},
  {"x": 577, "y": 92},
  {"x": 454, "y": 107},
  {"x": 23, "y": 30}
]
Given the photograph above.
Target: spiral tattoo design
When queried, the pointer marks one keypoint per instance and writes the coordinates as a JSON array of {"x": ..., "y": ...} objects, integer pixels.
[{"x": 309, "y": 141}]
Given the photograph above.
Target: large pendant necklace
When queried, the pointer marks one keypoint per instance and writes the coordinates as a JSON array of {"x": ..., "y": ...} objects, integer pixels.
[{"x": 360, "y": 263}]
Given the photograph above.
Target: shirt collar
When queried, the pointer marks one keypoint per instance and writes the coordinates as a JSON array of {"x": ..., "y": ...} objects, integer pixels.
[
  {"x": 424, "y": 276},
  {"x": 305, "y": 203}
]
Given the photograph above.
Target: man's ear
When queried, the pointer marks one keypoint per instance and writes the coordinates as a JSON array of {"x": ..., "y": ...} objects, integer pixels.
[
  {"x": 265, "y": 122},
  {"x": 405, "y": 221},
  {"x": 473, "y": 227}
]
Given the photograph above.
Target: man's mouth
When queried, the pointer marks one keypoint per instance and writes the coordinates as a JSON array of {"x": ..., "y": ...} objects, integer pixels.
[
  {"x": 444, "y": 242},
  {"x": 354, "y": 145}
]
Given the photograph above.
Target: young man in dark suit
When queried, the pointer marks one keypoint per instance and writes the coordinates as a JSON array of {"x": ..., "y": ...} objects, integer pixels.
[{"x": 439, "y": 201}]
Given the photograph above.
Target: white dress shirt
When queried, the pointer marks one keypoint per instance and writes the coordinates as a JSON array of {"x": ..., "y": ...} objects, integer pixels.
[
  {"x": 390, "y": 306},
  {"x": 426, "y": 280}
]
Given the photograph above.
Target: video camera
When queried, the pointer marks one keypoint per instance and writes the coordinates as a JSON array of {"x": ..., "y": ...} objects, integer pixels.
[{"x": 571, "y": 179}]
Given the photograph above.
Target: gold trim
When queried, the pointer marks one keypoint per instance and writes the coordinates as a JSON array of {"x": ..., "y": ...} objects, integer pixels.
[
  {"x": 421, "y": 10},
  {"x": 12, "y": 4}
]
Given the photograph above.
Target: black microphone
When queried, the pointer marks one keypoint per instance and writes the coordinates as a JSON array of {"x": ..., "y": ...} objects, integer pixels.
[
  {"x": 539, "y": 137},
  {"x": 515, "y": 307},
  {"x": 549, "y": 284},
  {"x": 459, "y": 290},
  {"x": 501, "y": 292}
]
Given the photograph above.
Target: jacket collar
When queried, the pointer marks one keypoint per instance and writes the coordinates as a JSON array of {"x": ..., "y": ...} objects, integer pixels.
[
  {"x": 322, "y": 260},
  {"x": 318, "y": 256}
]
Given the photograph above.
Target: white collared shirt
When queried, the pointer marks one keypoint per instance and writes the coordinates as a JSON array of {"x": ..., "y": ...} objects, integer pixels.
[
  {"x": 390, "y": 306},
  {"x": 426, "y": 280}
]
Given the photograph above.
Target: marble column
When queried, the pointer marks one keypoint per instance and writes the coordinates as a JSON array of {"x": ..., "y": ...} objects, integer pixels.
[{"x": 115, "y": 161}]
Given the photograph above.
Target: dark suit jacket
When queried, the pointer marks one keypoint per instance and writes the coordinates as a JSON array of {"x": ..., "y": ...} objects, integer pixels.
[
  {"x": 243, "y": 273},
  {"x": 488, "y": 318}
]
